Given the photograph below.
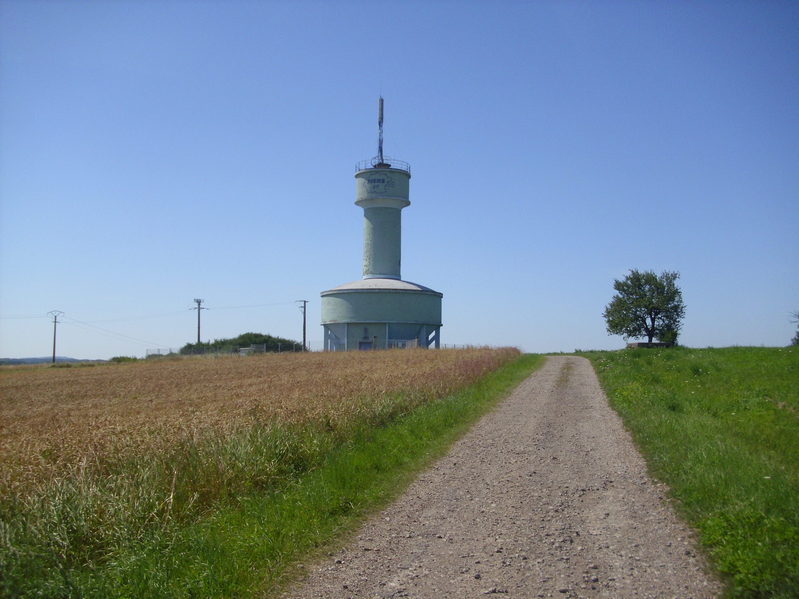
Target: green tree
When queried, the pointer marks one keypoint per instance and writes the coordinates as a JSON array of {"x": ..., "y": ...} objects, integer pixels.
[
  {"x": 646, "y": 305},
  {"x": 269, "y": 343},
  {"x": 795, "y": 318}
]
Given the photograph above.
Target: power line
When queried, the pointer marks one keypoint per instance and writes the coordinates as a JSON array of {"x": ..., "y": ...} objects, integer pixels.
[
  {"x": 303, "y": 309},
  {"x": 88, "y": 326},
  {"x": 59, "y": 317},
  {"x": 199, "y": 309},
  {"x": 55, "y": 314},
  {"x": 134, "y": 318},
  {"x": 145, "y": 316},
  {"x": 249, "y": 306}
]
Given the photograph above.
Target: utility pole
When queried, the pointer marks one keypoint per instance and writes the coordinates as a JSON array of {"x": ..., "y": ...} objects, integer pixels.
[
  {"x": 303, "y": 309},
  {"x": 55, "y": 314},
  {"x": 199, "y": 307}
]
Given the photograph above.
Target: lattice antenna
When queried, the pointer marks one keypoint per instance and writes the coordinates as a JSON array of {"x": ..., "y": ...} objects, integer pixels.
[{"x": 380, "y": 130}]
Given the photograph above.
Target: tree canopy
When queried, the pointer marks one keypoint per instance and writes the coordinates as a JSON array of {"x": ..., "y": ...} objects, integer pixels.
[
  {"x": 268, "y": 343},
  {"x": 646, "y": 305}
]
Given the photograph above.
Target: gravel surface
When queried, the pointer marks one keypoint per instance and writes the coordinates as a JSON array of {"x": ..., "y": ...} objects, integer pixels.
[{"x": 545, "y": 497}]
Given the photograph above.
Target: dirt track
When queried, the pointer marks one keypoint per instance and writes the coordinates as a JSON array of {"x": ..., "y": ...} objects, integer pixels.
[{"x": 544, "y": 497}]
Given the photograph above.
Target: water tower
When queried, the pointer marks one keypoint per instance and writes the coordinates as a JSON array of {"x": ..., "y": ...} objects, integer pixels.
[{"x": 381, "y": 311}]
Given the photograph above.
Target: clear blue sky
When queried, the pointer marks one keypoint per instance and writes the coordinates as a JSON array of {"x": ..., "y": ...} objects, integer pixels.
[{"x": 154, "y": 151}]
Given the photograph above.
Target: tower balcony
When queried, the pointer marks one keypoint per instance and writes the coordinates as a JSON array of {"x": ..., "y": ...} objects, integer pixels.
[{"x": 387, "y": 162}]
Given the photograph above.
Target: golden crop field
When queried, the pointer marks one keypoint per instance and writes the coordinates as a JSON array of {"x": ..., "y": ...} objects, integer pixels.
[{"x": 57, "y": 419}]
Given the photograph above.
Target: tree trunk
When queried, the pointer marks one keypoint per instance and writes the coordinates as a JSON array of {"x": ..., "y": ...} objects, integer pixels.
[{"x": 650, "y": 330}]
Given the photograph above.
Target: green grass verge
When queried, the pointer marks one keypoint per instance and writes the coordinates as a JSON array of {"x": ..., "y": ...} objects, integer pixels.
[
  {"x": 721, "y": 428},
  {"x": 244, "y": 547}
]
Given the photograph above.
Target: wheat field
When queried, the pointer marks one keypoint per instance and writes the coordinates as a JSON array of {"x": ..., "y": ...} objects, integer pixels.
[
  {"x": 55, "y": 419},
  {"x": 99, "y": 462}
]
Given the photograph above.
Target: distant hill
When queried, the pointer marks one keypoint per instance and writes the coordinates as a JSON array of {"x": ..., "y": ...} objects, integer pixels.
[{"x": 11, "y": 361}]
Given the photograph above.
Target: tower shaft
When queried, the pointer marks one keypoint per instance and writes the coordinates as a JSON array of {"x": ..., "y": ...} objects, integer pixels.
[
  {"x": 382, "y": 242},
  {"x": 382, "y": 193}
]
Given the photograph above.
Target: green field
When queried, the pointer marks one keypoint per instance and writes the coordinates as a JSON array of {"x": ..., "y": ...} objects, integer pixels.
[{"x": 721, "y": 428}]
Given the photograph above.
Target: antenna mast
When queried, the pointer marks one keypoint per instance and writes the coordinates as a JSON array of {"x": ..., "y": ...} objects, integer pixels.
[
  {"x": 380, "y": 161},
  {"x": 380, "y": 130}
]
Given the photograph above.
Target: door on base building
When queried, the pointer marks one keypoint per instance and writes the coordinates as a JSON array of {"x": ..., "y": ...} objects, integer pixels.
[{"x": 363, "y": 345}]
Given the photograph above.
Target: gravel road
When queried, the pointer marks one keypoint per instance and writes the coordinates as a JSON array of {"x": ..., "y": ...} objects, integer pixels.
[{"x": 545, "y": 497}]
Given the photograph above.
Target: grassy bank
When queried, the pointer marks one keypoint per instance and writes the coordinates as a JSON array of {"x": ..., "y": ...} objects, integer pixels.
[
  {"x": 222, "y": 511},
  {"x": 721, "y": 427}
]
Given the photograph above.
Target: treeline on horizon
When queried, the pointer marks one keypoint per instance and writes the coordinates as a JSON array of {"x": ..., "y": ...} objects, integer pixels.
[{"x": 260, "y": 342}]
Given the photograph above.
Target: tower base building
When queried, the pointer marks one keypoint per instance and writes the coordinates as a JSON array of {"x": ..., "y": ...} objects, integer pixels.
[{"x": 381, "y": 314}]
